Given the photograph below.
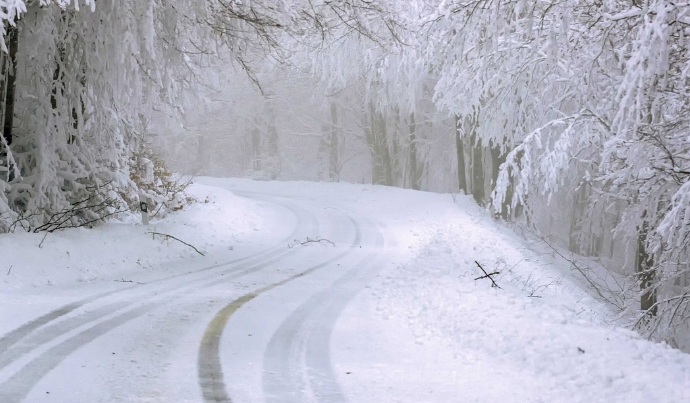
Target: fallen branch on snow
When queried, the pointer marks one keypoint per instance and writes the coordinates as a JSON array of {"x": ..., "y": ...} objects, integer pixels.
[
  {"x": 487, "y": 275},
  {"x": 310, "y": 240},
  {"x": 166, "y": 236},
  {"x": 126, "y": 281}
]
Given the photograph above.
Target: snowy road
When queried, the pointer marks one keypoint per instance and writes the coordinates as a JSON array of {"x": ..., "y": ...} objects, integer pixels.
[
  {"x": 386, "y": 307},
  {"x": 283, "y": 338},
  {"x": 278, "y": 306}
]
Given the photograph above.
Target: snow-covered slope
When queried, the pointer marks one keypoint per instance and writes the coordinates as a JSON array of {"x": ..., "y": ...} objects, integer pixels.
[{"x": 218, "y": 219}]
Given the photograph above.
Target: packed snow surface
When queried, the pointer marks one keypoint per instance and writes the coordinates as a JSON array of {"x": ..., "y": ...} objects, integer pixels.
[{"x": 313, "y": 292}]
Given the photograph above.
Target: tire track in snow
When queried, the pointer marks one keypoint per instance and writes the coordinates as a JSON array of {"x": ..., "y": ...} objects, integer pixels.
[
  {"x": 35, "y": 340},
  {"x": 17, "y": 387},
  {"x": 14, "y": 336},
  {"x": 209, "y": 367},
  {"x": 20, "y": 384},
  {"x": 297, "y": 361},
  {"x": 42, "y": 331},
  {"x": 61, "y": 328}
]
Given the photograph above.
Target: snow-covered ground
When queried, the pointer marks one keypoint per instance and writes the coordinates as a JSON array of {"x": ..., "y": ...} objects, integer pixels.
[{"x": 386, "y": 308}]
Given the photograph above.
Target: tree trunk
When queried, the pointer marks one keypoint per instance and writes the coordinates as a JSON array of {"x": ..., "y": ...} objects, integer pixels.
[
  {"x": 323, "y": 159},
  {"x": 575, "y": 221},
  {"x": 644, "y": 267},
  {"x": 460, "y": 154},
  {"x": 370, "y": 131},
  {"x": 273, "y": 146},
  {"x": 368, "y": 126},
  {"x": 334, "y": 160},
  {"x": 497, "y": 159},
  {"x": 394, "y": 152},
  {"x": 385, "y": 151},
  {"x": 11, "y": 83},
  {"x": 377, "y": 140},
  {"x": 256, "y": 149},
  {"x": 415, "y": 177},
  {"x": 477, "y": 163}
]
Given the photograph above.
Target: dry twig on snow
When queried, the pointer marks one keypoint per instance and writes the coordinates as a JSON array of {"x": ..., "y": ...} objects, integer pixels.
[
  {"x": 310, "y": 240},
  {"x": 487, "y": 275},
  {"x": 127, "y": 281},
  {"x": 166, "y": 236}
]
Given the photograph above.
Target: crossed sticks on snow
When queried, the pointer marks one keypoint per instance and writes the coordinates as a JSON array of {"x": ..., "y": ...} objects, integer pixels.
[{"x": 487, "y": 275}]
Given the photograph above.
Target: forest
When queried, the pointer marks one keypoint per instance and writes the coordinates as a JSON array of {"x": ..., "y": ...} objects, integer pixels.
[{"x": 568, "y": 119}]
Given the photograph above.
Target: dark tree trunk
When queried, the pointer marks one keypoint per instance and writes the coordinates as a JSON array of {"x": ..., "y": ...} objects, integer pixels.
[
  {"x": 644, "y": 267},
  {"x": 57, "y": 79},
  {"x": 497, "y": 159},
  {"x": 506, "y": 210},
  {"x": 478, "y": 189},
  {"x": 478, "y": 171},
  {"x": 460, "y": 154},
  {"x": 476, "y": 155},
  {"x": 11, "y": 83}
]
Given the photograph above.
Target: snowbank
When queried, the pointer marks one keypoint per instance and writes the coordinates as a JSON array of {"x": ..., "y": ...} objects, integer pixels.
[{"x": 114, "y": 251}]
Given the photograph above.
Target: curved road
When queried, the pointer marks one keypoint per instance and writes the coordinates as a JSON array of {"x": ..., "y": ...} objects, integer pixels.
[{"x": 254, "y": 328}]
